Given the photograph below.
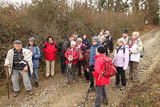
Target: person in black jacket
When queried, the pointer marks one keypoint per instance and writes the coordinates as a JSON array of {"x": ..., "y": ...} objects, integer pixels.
[
  {"x": 109, "y": 43},
  {"x": 64, "y": 48},
  {"x": 85, "y": 41}
]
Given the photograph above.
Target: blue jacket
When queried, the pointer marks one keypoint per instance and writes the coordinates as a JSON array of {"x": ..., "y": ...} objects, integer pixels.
[
  {"x": 93, "y": 53},
  {"x": 36, "y": 56},
  {"x": 86, "y": 42}
]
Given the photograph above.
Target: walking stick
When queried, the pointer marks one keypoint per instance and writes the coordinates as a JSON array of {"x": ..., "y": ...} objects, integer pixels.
[
  {"x": 86, "y": 98},
  {"x": 7, "y": 74}
]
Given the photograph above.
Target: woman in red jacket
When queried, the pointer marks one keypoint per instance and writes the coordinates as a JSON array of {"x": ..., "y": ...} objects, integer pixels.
[
  {"x": 50, "y": 56},
  {"x": 101, "y": 81},
  {"x": 72, "y": 55}
]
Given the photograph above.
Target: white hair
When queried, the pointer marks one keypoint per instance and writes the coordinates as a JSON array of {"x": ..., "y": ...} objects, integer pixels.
[
  {"x": 107, "y": 32},
  {"x": 73, "y": 43},
  {"x": 136, "y": 33},
  {"x": 121, "y": 40}
]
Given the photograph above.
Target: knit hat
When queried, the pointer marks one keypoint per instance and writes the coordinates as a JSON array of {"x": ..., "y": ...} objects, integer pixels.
[
  {"x": 32, "y": 39},
  {"x": 126, "y": 31},
  {"x": 101, "y": 50},
  {"x": 17, "y": 42},
  {"x": 73, "y": 43},
  {"x": 95, "y": 38}
]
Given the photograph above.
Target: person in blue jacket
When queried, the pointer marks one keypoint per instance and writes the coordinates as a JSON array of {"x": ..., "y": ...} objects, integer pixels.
[
  {"x": 95, "y": 44},
  {"x": 35, "y": 58}
]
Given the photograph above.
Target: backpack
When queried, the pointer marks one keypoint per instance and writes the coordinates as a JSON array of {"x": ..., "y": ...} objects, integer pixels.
[
  {"x": 142, "y": 52},
  {"x": 110, "y": 69}
]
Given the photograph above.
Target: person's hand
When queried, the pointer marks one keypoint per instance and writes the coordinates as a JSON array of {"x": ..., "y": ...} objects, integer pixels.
[
  {"x": 6, "y": 65},
  {"x": 111, "y": 51},
  {"x": 130, "y": 51},
  {"x": 25, "y": 68},
  {"x": 87, "y": 69}
]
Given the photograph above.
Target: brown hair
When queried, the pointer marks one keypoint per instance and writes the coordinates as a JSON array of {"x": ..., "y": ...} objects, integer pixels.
[{"x": 50, "y": 37}]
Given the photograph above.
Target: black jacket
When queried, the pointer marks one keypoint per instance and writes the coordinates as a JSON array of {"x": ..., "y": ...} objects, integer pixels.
[{"x": 65, "y": 46}]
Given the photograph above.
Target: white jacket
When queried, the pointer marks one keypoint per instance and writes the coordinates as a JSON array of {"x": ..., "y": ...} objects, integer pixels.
[
  {"x": 136, "y": 50},
  {"x": 27, "y": 57}
]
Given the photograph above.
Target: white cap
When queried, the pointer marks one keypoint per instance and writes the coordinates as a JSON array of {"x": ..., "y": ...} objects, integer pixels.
[{"x": 79, "y": 39}]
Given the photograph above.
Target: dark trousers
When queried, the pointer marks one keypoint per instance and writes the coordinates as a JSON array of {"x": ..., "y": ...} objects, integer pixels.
[
  {"x": 79, "y": 66},
  {"x": 100, "y": 93},
  {"x": 106, "y": 52},
  {"x": 86, "y": 74},
  {"x": 63, "y": 64},
  {"x": 120, "y": 74},
  {"x": 91, "y": 70}
]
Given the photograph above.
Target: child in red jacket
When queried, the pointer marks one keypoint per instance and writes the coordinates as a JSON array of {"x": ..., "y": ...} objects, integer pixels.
[
  {"x": 101, "y": 81},
  {"x": 71, "y": 55},
  {"x": 50, "y": 56}
]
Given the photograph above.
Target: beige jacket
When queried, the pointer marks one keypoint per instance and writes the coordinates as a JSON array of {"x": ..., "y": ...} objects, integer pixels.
[{"x": 27, "y": 57}]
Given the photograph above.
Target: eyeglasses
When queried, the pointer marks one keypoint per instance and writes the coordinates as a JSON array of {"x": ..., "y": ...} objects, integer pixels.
[{"x": 93, "y": 41}]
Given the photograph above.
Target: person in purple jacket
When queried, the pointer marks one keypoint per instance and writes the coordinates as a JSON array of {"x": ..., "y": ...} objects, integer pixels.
[{"x": 121, "y": 60}]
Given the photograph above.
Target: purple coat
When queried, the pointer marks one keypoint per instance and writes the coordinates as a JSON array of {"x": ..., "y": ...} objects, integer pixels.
[{"x": 121, "y": 57}]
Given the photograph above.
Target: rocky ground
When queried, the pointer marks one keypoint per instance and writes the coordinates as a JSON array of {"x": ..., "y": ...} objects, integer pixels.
[{"x": 55, "y": 93}]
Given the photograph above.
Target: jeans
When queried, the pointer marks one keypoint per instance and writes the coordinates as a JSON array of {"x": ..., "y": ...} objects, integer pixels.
[
  {"x": 100, "y": 93},
  {"x": 26, "y": 80},
  {"x": 63, "y": 64},
  {"x": 91, "y": 70},
  {"x": 120, "y": 74},
  {"x": 35, "y": 72}
]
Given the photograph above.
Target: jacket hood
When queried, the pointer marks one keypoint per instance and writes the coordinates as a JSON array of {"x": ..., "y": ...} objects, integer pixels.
[{"x": 100, "y": 55}]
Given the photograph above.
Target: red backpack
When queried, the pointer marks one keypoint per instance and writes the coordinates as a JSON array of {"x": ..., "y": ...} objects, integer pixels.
[{"x": 110, "y": 69}]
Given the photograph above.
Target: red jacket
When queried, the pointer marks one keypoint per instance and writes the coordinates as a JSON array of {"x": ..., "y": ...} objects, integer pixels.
[
  {"x": 99, "y": 68},
  {"x": 75, "y": 55},
  {"x": 50, "y": 51}
]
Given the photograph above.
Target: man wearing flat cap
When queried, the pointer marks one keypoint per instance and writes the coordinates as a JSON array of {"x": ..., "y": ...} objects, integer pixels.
[{"x": 19, "y": 61}]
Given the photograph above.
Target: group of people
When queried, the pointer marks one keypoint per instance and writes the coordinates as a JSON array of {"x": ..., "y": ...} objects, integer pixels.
[{"x": 76, "y": 53}]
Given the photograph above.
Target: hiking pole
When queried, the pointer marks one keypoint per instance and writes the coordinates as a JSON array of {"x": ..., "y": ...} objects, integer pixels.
[
  {"x": 7, "y": 74},
  {"x": 86, "y": 98}
]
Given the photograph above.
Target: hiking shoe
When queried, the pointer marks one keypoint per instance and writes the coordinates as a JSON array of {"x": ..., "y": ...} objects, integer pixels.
[
  {"x": 123, "y": 88},
  {"x": 30, "y": 92},
  {"x": 36, "y": 84},
  {"x": 73, "y": 81},
  {"x": 117, "y": 86},
  {"x": 67, "y": 81},
  {"x": 52, "y": 76},
  {"x": 16, "y": 93},
  {"x": 105, "y": 102},
  {"x": 47, "y": 77},
  {"x": 91, "y": 89}
]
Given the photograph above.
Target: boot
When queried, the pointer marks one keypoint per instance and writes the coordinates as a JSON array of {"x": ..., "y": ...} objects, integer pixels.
[
  {"x": 16, "y": 93},
  {"x": 105, "y": 102},
  {"x": 36, "y": 84},
  {"x": 30, "y": 92}
]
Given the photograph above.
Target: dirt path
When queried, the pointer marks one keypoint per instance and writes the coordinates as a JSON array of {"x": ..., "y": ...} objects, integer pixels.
[{"x": 55, "y": 93}]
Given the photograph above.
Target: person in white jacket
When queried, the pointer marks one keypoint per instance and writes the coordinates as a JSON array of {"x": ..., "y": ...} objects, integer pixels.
[
  {"x": 135, "y": 50},
  {"x": 19, "y": 60}
]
